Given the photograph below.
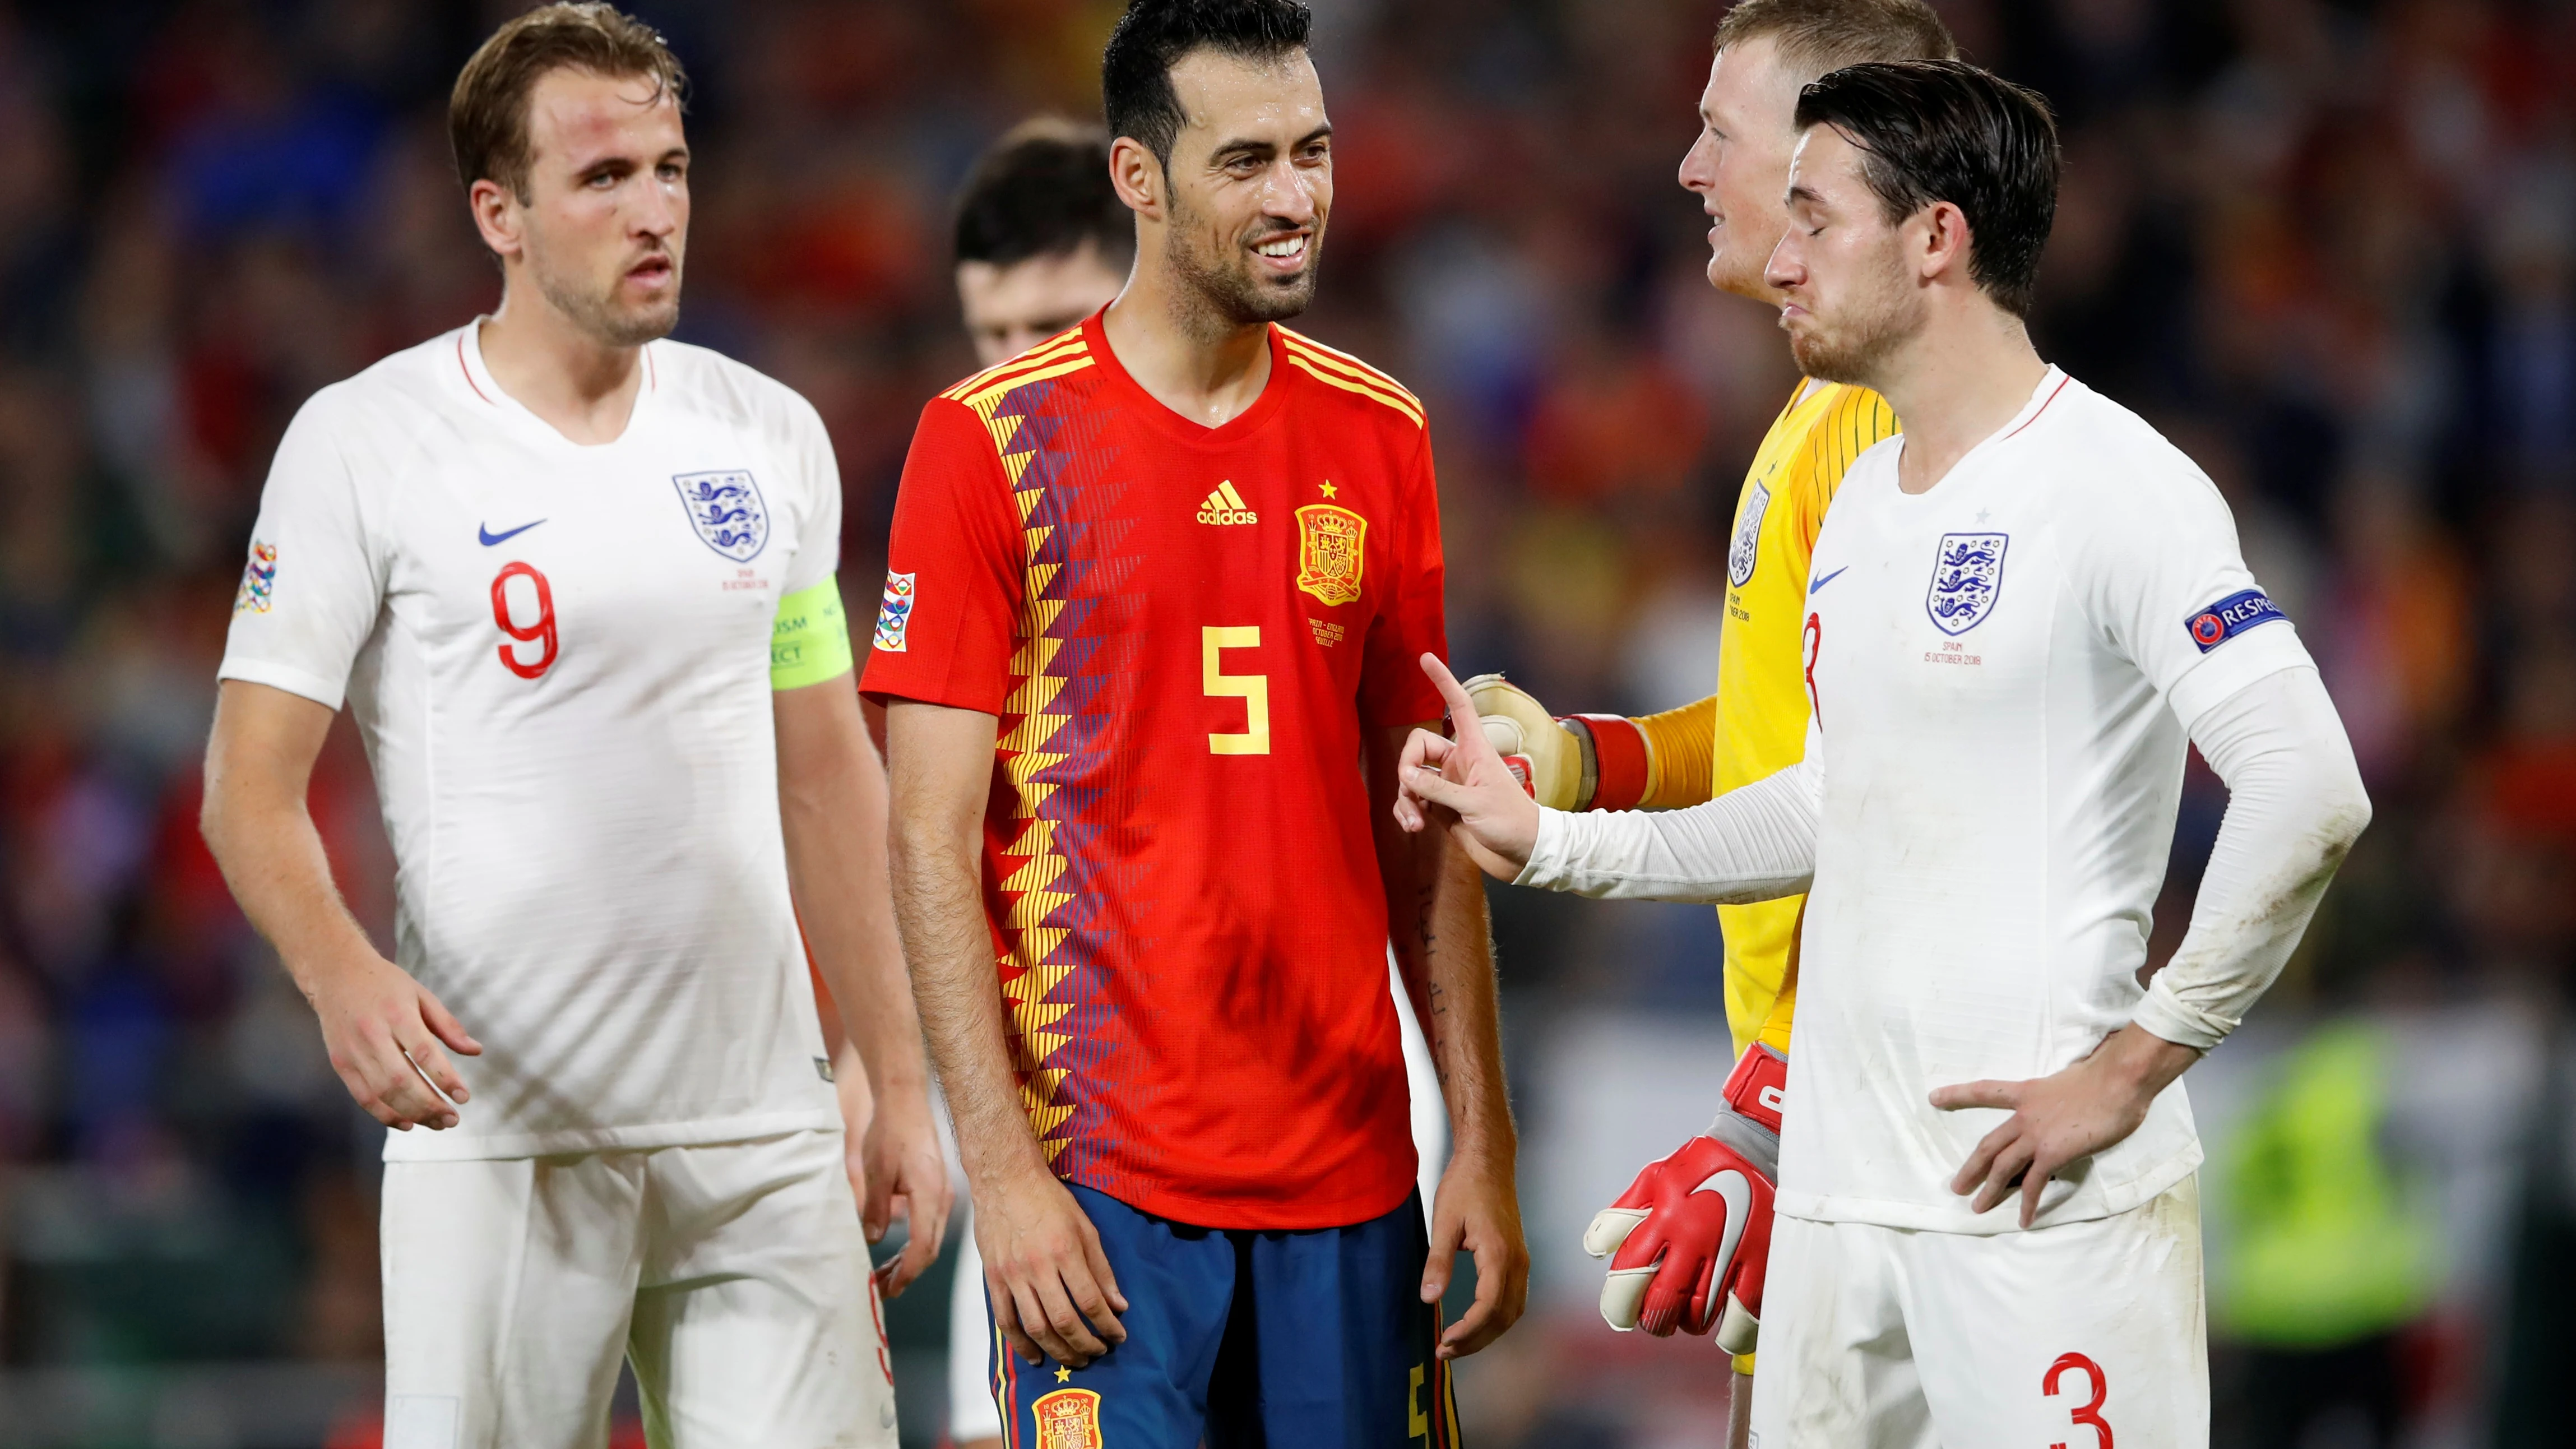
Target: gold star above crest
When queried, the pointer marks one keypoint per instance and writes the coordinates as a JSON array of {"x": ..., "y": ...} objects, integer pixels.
[
  {"x": 1063, "y": 1375},
  {"x": 1328, "y": 487}
]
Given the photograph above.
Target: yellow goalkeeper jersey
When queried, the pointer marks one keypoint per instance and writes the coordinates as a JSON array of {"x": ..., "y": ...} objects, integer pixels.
[{"x": 1759, "y": 715}]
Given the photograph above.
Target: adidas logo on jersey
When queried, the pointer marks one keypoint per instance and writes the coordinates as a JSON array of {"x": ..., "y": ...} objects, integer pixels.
[{"x": 1226, "y": 506}]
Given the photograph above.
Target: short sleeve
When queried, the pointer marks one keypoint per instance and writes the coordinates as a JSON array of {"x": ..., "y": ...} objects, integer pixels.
[
  {"x": 2171, "y": 590},
  {"x": 315, "y": 579},
  {"x": 1393, "y": 689},
  {"x": 818, "y": 480},
  {"x": 946, "y": 626}
]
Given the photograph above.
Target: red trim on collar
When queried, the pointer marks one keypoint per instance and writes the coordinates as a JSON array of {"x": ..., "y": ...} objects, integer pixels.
[
  {"x": 469, "y": 372},
  {"x": 2043, "y": 407}
]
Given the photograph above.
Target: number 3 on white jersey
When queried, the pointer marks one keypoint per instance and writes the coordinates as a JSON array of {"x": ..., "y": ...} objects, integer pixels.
[{"x": 2089, "y": 1413}]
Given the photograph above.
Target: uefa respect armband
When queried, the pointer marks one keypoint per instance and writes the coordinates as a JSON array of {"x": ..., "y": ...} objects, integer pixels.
[{"x": 811, "y": 640}]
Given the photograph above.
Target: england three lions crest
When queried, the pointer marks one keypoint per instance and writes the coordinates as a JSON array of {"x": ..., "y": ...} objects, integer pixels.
[
  {"x": 1967, "y": 576},
  {"x": 726, "y": 510},
  {"x": 1329, "y": 552},
  {"x": 1747, "y": 549}
]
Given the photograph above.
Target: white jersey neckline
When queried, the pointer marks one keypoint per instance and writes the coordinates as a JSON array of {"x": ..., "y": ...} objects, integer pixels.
[
  {"x": 513, "y": 414},
  {"x": 2051, "y": 382}
]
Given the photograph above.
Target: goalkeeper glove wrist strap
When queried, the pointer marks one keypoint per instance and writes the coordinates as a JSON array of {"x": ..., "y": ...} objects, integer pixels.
[
  {"x": 1750, "y": 1120},
  {"x": 1748, "y": 1140},
  {"x": 1618, "y": 763}
]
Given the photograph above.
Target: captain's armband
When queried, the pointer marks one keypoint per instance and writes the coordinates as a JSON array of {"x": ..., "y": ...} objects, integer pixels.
[{"x": 811, "y": 641}]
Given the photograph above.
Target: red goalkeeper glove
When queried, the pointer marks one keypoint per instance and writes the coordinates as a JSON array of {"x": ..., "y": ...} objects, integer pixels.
[{"x": 1689, "y": 1238}]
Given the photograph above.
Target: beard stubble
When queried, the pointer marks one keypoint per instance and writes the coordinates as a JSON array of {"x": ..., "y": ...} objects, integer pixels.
[
  {"x": 1230, "y": 297},
  {"x": 597, "y": 314}
]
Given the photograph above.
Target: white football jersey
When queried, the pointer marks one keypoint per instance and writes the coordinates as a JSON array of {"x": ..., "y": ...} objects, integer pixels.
[
  {"x": 559, "y": 658},
  {"x": 2002, "y": 671}
]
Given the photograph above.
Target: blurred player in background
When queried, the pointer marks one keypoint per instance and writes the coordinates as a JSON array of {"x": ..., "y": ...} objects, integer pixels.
[
  {"x": 1154, "y": 591},
  {"x": 1042, "y": 243},
  {"x": 1667, "y": 1268},
  {"x": 1042, "y": 239},
  {"x": 576, "y": 582},
  {"x": 2025, "y": 610}
]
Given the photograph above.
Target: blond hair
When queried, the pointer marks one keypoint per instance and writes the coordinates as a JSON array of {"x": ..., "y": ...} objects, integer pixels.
[{"x": 1821, "y": 36}]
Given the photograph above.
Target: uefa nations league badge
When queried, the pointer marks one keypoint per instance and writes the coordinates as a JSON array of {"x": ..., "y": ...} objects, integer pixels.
[
  {"x": 1967, "y": 575},
  {"x": 726, "y": 510}
]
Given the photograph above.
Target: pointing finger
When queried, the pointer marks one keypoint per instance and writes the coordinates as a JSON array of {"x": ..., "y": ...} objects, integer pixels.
[{"x": 1463, "y": 721}]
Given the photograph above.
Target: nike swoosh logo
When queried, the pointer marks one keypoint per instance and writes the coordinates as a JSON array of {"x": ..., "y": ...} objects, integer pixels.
[
  {"x": 1827, "y": 579},
  {"x": 1729, "y": 1184},
  {"x": 490, "y": 538}
]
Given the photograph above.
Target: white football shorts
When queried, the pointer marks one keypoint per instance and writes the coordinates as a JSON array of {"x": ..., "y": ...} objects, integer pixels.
[
  {"x": 1886, "y": 1338},
  {"x": 735, "y": 1277}
]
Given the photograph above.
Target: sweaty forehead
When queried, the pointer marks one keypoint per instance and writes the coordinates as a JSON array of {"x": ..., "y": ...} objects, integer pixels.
[
  {"x": 577, "y": 116},
  {"x": 1227, "y": 97}
]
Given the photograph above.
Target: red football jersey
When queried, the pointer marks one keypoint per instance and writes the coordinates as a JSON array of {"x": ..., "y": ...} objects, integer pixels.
[{"x": 1186, "y": 632}]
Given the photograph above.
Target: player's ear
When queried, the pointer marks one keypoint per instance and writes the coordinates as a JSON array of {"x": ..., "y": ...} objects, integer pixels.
[
  {"x": 496, "y": 216},
  {"x": 1138, "y": 175},
  {"x": 1944, "y": 239}
]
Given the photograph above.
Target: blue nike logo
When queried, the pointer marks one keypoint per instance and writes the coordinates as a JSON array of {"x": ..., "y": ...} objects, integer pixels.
[
  {"x": 490, "y": 538},
  {"x": 1827, "y": 579}
]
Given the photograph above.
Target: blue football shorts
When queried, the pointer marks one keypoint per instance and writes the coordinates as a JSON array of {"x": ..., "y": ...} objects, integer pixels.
[{"x": 1247, "y": 1339}]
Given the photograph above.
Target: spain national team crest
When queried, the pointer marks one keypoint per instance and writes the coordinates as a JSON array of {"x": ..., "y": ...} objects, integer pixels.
[
  {"x": 726, "y": 510},
  {"x": 1068, "y": 1419},
  {"x": 1329, "y": 552},
  {"x": 1967, "y": 575}
]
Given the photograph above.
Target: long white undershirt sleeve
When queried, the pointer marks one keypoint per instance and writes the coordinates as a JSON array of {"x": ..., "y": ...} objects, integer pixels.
[
  {"x": 2295, "y": 805},
  {"x": 1753, "y": 844}
]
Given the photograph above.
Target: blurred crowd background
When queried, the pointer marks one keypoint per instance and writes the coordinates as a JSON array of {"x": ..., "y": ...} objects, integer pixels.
[{"x": 2329, "y": 246}]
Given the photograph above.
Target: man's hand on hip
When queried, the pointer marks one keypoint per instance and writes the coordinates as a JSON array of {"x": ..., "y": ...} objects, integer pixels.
[
  {"x": 385, "y": 1032},
  {"x": 2056, "y": 1119},
  {"x": 1052, "y": 1291}
]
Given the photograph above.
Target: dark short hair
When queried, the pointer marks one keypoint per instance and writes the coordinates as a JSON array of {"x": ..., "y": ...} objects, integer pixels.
[
  {"x": 1136, "y": 70},
  {"x": 1817, "y": 36},
  {"x": 1944, "y": 130},
  {"x": 1042, "y": 191},
  {"x": 487, "y": 113}
]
